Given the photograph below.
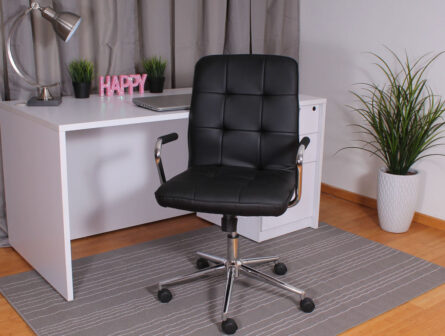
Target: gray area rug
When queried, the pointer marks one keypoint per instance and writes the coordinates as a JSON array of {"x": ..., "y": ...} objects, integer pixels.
[
  {"x": 3, "y": 239},
  {"x": 350, "y": 278}
]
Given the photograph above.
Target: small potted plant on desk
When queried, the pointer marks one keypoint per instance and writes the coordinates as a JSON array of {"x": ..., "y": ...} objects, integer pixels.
[
  {"x": 403, "y": 119},
  {"x": 155, "y": 67},
  {"x": 81, "y": 72}
]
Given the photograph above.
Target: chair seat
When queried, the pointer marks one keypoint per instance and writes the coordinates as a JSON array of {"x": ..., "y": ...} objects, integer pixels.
[{"x": 229, "y": 190}]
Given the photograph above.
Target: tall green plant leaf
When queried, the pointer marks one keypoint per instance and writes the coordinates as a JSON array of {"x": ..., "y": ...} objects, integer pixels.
[
  {"x": 81, "y": 71},
  {"x": 403, "y": 117},
  {"x": 154, "y": 67}
]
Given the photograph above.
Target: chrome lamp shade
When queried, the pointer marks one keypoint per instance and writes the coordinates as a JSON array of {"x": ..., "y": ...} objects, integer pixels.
[{"x": 64, "y": 24}]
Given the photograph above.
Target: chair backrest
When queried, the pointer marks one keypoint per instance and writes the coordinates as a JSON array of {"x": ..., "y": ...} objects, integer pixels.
[{"x": 244, "y": 112}]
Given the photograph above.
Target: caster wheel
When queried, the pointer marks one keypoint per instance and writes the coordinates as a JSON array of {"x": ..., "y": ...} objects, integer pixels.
[
  {"x": 307, "y": 305},
  {"x": 229, "y": 326},
  {"x": 280, "y": 269},
  {"x": 164, "y": 295},
  {"x": 202, "y": 263}
]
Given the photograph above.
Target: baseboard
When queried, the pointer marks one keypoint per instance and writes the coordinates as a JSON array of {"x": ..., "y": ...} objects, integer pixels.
[
  {"x": 372, "y": 203},
  {"x": 429, "y": 220},
  {"x": 349, "y": 196}
]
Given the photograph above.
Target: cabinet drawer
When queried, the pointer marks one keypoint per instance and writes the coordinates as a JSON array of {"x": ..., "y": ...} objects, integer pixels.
[
  {"x": 304, "y": 208},
  {"x": 309, "y": 119},
  {"x": 310, "y": 154}
]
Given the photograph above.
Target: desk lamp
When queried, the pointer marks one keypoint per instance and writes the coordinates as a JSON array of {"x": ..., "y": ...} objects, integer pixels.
[{"x": 64, "y": 24}]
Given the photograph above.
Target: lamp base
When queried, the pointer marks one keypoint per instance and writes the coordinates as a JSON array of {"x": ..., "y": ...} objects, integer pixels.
[{"x": 35, "y": 101}]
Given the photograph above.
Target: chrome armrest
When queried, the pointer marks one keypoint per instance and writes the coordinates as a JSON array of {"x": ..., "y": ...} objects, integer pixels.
[
  {"x": 158, "y": 148},
  {"x": 299, "y": 183}
]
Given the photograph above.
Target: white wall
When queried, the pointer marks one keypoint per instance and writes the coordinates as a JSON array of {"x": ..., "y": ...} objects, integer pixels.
[{"x": 335, "y": 36}]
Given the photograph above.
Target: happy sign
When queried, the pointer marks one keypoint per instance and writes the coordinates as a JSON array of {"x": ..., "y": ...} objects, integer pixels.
[{"x": 119, "y": 83}]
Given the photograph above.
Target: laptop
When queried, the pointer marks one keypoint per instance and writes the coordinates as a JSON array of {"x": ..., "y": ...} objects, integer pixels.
[{"x": 165, "y": 103}]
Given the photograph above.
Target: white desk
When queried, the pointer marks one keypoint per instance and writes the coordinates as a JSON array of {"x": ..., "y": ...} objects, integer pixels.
[
  {"x": 80, "y": 169},
  {"x": 87, "y": 167}
]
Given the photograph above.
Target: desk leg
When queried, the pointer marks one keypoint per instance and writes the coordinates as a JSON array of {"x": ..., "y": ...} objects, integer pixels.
[{"x": 35, "y": 170}]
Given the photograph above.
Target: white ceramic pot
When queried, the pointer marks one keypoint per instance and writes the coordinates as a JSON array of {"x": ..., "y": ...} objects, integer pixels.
[{"x": 397, "y": 200}]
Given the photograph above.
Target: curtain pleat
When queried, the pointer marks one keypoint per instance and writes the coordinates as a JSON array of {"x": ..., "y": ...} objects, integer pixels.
[
  {"x": 199, "y": 31},
  {"x": 3, "y": 74},
  {"x": 282, "y": 28},
  {"x": 82, "y": 44},
  {"x": 237, "y": 33},
  {"x": 155, "y": 33},
  {"x": 275, "y": 27}
]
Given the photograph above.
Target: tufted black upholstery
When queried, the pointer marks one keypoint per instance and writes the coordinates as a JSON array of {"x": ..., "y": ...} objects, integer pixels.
[
  {"x": 244, "y": 112},
  {"x": 243, "y": 137}
]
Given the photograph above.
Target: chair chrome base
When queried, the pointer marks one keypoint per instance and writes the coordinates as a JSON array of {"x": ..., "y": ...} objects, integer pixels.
[{"x": 234, "y": 266}]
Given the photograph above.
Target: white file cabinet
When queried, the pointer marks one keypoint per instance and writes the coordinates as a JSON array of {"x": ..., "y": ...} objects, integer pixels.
[{"x": 305, "y": 213}]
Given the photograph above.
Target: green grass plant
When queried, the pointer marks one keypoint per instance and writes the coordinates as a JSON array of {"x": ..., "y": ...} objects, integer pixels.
[
  {"x": 154, "y": 67},
  {"x": 403, "y": 117},
  {"x": 81, "y": 71}
]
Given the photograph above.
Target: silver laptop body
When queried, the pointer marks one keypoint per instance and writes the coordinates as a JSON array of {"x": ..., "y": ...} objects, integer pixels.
[{"x": 165, "y": 103}]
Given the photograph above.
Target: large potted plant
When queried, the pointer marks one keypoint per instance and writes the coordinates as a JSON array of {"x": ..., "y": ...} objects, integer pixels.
[
  {"x": 403, "y": 121},
  {"x": 81, "y": 72},
  {"x": 155, "y": 67}
]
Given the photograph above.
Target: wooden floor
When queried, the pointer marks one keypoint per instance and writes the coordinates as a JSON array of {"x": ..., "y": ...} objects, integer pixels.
[{"x": 424, "y": 315}]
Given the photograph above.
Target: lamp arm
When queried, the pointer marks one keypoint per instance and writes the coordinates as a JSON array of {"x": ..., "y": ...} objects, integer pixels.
[{"x": 14, "y": 65}]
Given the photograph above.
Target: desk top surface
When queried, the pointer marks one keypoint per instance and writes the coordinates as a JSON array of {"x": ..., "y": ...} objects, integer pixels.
[{"x": 94, "y": 112}]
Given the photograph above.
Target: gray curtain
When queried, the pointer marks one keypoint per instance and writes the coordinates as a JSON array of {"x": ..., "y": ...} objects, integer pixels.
[{"x": 116, "y": 35}]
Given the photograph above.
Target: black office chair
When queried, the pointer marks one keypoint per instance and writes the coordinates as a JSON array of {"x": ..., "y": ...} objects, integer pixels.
[{"x": 245, "y": 158}]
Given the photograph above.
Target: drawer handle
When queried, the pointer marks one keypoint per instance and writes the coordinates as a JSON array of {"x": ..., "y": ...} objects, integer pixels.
[{"x": 314, "y": 108}]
